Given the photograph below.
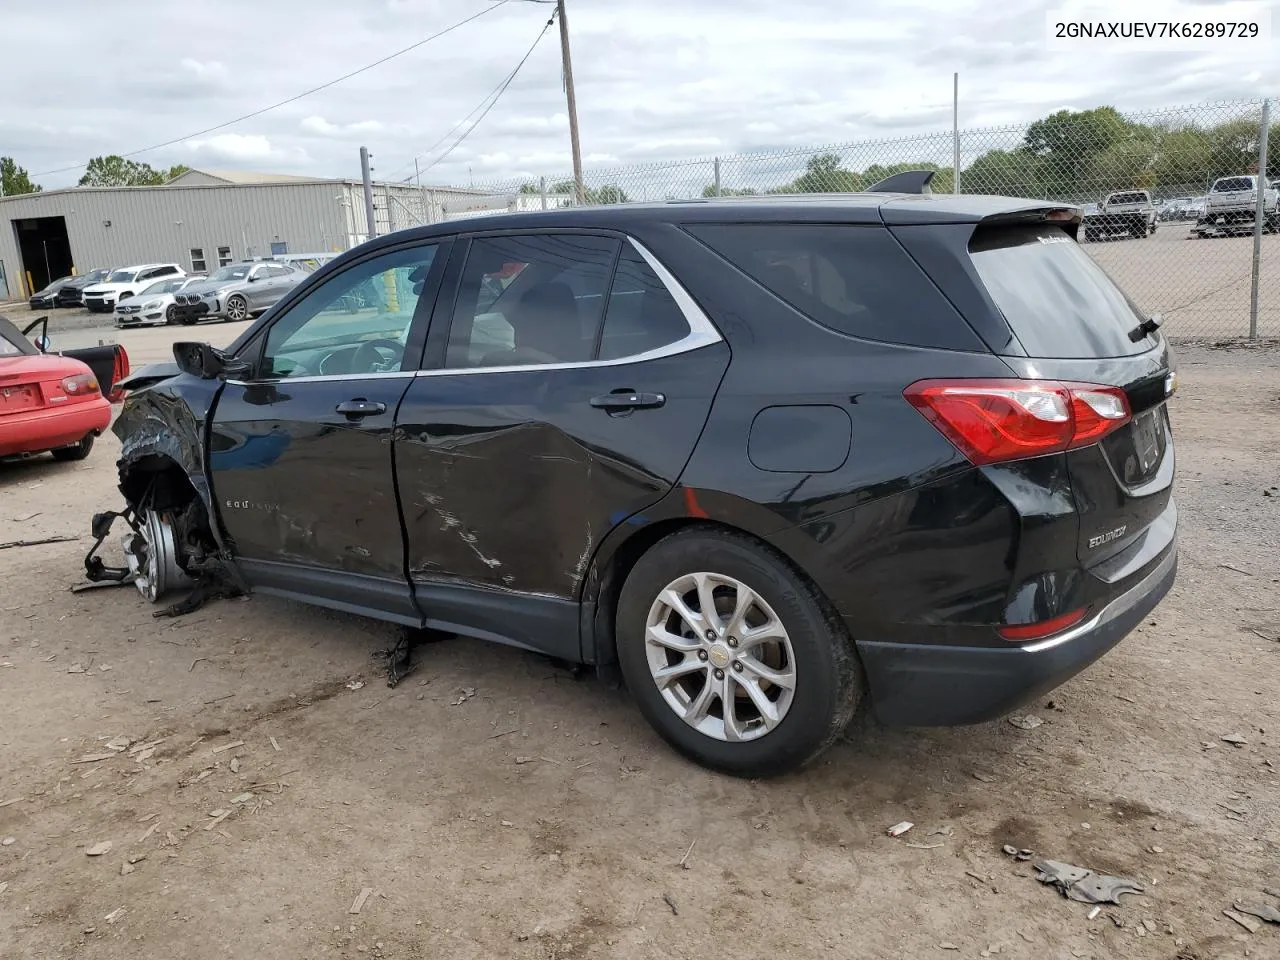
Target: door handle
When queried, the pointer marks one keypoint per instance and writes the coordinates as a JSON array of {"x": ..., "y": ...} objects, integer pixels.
[
  {"x": 627, "y": 400},
  {"x": 355, "y": 409}
]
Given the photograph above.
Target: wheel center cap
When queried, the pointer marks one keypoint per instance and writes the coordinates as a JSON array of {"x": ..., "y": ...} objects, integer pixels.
[{"x": 719, "y": 656}]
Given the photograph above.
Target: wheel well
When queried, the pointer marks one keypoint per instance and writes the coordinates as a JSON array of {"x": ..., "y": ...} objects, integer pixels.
[
  {"x": 167, "y": 482},
  {"x": 614, "y": 574}
]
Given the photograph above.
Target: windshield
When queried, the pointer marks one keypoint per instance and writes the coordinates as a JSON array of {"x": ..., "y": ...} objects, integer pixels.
[
  {"x": 164, "y": 286},
  {"x": 1233, "y": 184},
  {"x": 97, "y": 276},
  {"x": 122, "y": 276},
  {"x": 238, "y": 272},
  {"x": 1056, "y": 300}
]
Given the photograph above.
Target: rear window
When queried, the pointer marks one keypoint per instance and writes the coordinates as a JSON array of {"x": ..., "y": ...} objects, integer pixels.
[
  {"x": 1057, "y": 301},
  {"x": 853, "y": 279},
  {"x": 1128, "y": 198},
  {"x": 1233, "y": 184}
]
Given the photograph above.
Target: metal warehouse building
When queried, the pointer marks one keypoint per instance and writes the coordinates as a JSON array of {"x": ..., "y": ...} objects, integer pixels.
[{"x": 205, "y": 219}]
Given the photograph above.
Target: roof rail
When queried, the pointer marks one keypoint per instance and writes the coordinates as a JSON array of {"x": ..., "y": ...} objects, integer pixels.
[{"x": 909, "y": 181}]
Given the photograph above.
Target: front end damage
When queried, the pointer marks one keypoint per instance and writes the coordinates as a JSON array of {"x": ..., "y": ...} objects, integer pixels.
[{"x": 172, "y": 542}]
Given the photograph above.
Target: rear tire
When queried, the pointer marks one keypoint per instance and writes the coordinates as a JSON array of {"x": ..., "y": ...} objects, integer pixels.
[
  {"x": 77, "y": 451},
  {"x": 772, "y": 728}
]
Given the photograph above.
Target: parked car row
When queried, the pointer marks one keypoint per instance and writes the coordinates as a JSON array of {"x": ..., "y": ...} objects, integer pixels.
[{"x": 160, "y": 293}]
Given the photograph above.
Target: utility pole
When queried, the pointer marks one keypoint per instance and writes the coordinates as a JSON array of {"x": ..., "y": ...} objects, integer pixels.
[
  {"x": 955, "y": 132},
  {"x": 580, "y": 193},
  {"x": 368, "y": 193}
]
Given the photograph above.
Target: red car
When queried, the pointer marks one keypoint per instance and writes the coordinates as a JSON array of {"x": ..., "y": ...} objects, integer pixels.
[{"x": 56, "y": 402}]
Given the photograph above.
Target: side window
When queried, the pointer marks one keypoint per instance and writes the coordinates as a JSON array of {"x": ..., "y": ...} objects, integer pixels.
[
  {"x": 642, "y": 315},
  {"x": 165, "y": 272},
  {"x": 356, "y": 322},
  {"x": 528, "y": 300},
  {"x": 854, "y": 279},
  {"x": 278, "y": 271},
  {"x": 144, "y": 275}
]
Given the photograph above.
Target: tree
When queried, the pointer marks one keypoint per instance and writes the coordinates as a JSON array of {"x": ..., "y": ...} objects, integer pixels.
[
  {"x": 116, "y": 171},
  {"x": 710, "y": 191},
  {"x": 609, "y": 193},
  {"x": 823, "y": 174},
  {"x": 15, "y": 179},
  {"x": 1011, "y": 173}
]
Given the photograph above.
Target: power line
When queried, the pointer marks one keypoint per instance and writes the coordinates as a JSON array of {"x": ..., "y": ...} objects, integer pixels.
[
  {"x": 305, "y": 93},
  {"x": 496, "y": 95}
]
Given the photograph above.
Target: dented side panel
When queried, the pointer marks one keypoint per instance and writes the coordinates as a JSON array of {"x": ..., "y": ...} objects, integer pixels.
[{"x": 510, "y": 480}]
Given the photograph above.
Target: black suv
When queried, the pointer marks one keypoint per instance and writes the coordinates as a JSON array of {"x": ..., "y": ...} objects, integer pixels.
[{"x": 769, "y": 457}]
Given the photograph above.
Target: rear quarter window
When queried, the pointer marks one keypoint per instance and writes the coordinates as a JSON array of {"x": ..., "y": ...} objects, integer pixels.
[
  {"x": 1057, "y": 301},
  {"x": 854, "y": 279}
]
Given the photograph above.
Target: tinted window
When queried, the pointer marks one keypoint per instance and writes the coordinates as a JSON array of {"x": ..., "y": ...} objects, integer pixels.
[
  {"x": 854, "y": 279},
  {"x": 1057, "y": 301},
  {"x": 356, "y": 322},
  {"x": 1128, "y": 198},
  {"x": 1233, "y": 184},
  {"x": 642, "y": 315},
  {"x": 533, "y": 299}
]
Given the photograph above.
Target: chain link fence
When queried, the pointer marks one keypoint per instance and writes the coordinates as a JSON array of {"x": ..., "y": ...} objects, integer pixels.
[{"x": 1167, "y": 254}]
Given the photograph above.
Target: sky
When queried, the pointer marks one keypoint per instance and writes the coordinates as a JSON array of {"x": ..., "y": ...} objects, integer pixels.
[{"x": 656, "y": 80}]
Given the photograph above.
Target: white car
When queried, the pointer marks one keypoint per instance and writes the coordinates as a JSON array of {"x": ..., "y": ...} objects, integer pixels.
[
  {"x": 154, "y": 306},
  {"x": 125, "y": 282}
]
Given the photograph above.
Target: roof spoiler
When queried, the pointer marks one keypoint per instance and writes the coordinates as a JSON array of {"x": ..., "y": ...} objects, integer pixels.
[{"x": 909, "y": 181}]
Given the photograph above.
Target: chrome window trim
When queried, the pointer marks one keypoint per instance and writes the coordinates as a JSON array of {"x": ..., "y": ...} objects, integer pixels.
[{"x": 702, "y": 333}]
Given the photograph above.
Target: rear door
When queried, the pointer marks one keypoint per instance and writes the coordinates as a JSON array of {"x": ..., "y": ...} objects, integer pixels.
[
  {"x": 568, "y": 379},
  {"x": 1073, "y": 323}
]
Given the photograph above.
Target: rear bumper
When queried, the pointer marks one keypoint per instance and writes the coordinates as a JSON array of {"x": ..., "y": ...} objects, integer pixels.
[
  {"x": 936, "y": 685},
  {"x": 51, "y": 427}
]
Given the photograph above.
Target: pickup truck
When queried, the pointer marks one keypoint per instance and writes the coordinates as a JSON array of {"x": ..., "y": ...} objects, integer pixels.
[
  {"x": 1128, "y": 212},
  {"x": 1233, "y": 205}
]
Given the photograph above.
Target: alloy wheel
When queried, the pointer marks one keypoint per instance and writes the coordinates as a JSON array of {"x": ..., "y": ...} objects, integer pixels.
[
  {"x": 720, "y": 657},
  {"x": 237, "y": 309}
]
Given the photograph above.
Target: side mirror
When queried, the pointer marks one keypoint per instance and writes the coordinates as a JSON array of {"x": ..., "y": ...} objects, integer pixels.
[
  {"x": 206, "y": 362},
  {"x": 252, "y": 278},
  {"x": 43, "y": 343}
]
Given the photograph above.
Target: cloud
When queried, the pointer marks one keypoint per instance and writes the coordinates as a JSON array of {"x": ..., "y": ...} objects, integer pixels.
[
  {"x": 323, "y": 128},
  {"x": 237, "y": 147}
]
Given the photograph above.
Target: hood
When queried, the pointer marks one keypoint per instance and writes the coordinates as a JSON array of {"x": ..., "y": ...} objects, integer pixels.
[
  {"x": 212, "y": 286},
  {"x": 151, "y": 374},
  {"x": 109, "y": 287}
]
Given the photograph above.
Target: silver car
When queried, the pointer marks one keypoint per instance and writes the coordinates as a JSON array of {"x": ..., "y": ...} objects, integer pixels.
[{"x": 236, "y": 292}]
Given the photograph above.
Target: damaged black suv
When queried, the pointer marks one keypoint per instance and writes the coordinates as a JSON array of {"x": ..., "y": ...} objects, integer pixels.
[{"x": 768, "y": 457}]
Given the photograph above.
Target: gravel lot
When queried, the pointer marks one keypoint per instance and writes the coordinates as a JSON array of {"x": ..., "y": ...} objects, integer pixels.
[{"x": 498, "y": 807}]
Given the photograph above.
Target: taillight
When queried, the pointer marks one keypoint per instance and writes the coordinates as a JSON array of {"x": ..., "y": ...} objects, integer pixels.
[
  {"x": 119, "y": 370},
  {"x": 992, "y": 421},
  {"x": 1020, "y": 632},
  {"x": 81, "y": 385}
]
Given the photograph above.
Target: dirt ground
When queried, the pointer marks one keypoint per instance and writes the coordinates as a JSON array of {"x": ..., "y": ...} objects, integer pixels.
[{"x": 498, "y": 807}]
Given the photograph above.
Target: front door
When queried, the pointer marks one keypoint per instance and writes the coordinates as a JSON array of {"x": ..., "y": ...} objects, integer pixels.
[
  {"x": 568, "y": 388},
  {"x": 300, "y": 452}
]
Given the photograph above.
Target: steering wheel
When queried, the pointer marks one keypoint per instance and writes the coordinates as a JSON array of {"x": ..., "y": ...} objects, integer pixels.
[{"x": 369, "y": 357}]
